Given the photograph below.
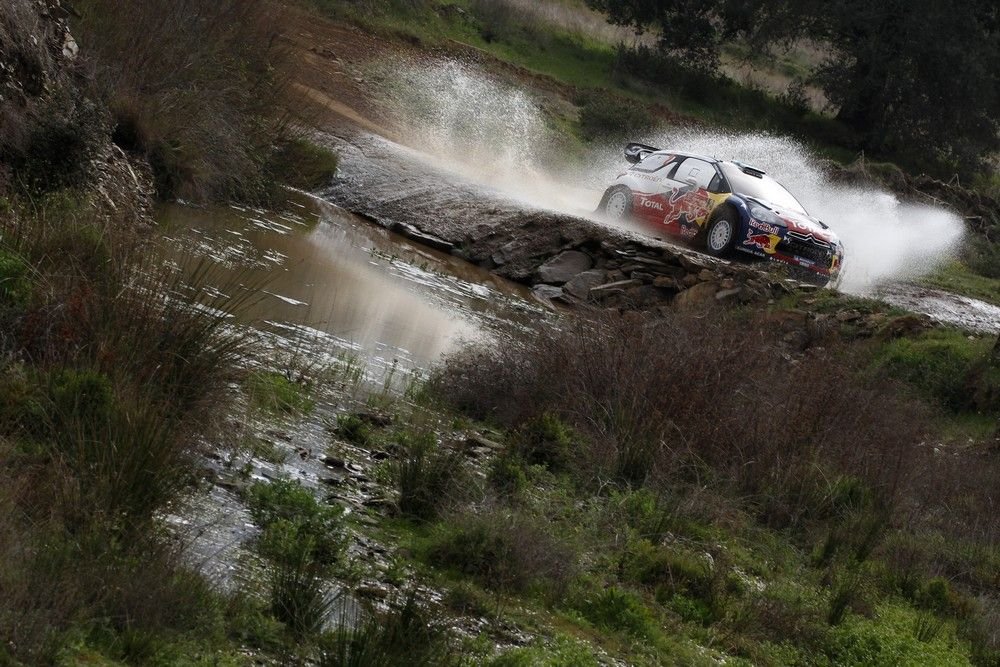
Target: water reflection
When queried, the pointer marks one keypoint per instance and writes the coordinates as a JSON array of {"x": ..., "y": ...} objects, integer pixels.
[{"x": 326, "y": 274}]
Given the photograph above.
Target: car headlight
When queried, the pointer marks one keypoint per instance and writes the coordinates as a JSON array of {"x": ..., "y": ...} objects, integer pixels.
[{"x": 765, "y": 215}]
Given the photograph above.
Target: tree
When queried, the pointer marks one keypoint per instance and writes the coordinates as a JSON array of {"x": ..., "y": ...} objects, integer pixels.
[{"x": 914, "y": 78}]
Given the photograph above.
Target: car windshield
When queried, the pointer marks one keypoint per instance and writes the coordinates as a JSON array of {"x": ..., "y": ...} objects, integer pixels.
[{"x": 760, "y": 187}]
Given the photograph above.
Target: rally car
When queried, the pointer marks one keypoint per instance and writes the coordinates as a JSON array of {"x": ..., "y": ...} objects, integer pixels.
[{"x": 723, "y": 206}]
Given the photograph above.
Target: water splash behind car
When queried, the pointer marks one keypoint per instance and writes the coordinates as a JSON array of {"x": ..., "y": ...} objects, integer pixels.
[{"x": 724, "y": 207}]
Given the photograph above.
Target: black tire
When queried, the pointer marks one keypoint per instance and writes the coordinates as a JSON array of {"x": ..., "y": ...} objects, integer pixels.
[
  {"x": 717, "y": 242},
  {"x": 617, "y": 203}
]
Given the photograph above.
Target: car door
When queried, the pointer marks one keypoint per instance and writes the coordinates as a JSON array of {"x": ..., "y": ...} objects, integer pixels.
[
  {"x": 652, "y": 186},
  {"x": 689, "y": 203}
]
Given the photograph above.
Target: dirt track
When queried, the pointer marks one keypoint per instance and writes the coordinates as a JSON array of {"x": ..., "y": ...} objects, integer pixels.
[{"x": 383, "y": 180}]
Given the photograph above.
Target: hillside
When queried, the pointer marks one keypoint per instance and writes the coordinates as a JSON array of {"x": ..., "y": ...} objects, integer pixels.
[{"x": 314, "y": 352}]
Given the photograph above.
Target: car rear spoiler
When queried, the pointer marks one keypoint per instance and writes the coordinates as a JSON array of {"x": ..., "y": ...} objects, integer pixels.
[{"x": 635, "y": 153}]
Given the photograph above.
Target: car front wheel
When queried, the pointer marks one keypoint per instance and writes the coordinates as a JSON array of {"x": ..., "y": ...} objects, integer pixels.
[
  {"x": 618, "y": 203},
  {"x": 720, "y": 237}
]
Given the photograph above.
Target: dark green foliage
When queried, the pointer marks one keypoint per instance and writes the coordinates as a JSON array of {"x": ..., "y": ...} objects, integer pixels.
[
  {"x": 915, "y": 80},
  {"x": 302, "y": 539},
  {"x": 406, "y": 635},
  {"x": 983, "y": 256},
  {"x": 506, "y": 475},
  {"x": 354, "y": 429},
  {"x": 274, "y": 393},
  {"x": 296, "y": 527},
  {"x": 504, "y": 551},
  {"x": 15, "y": 283},
  {"x": 428, "y": 477},
  {"x": 546, "y": 440},
  {"x": 619, "y": 610},
  {"x": 302, "y": 164},
  {"x": 608, "y": 117},
  {"x": 943, "y": 366}
]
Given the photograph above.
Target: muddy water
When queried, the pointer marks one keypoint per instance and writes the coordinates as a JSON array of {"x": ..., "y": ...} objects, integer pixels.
[{"x": 339, "y": 285}]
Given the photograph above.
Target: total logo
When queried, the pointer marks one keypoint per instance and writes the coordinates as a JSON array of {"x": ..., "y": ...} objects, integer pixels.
[{"x": 649, "y": 203}]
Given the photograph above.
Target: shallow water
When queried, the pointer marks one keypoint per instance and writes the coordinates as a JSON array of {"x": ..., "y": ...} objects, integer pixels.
[{"x": 333, "y": 282}]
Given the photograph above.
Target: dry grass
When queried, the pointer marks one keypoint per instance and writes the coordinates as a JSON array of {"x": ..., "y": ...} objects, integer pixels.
[
  {"x": 192, "y": 84},
  {"x": 699, "y": 400},
  {"x": 108, "y": 371}
]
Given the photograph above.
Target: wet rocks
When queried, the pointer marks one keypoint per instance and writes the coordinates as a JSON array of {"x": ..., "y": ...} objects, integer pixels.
[
  {"x": 582, "y": 283},
  {"x": 547, "y": 293},
  {"x": 564, "y": 267}
]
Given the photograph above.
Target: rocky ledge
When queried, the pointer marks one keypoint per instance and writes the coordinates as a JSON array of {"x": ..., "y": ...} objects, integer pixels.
[{"x": 564, "y": 258}]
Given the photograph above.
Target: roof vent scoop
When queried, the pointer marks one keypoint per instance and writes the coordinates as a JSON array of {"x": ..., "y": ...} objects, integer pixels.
[
  {"x": 749, "y": 170},
  {"x": 635, "y": 153}
]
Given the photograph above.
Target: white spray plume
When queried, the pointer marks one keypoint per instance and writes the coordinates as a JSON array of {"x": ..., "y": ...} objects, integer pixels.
[{"x": 496, "y": 134}]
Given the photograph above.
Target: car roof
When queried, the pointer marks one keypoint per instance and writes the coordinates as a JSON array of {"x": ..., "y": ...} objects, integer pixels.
[{"x": 690, "y": 154}]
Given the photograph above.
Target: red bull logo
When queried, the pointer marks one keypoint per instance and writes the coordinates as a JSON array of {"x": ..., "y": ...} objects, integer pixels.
[{"x": 766, "y": 242}]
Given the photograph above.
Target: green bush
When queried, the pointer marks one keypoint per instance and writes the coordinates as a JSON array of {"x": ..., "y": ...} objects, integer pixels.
[
  {"x": 354, "y": 429},
  {"x": 606, "y": 116},
  {"x": 546, "y": 440},
  {"x": 296, "y": 527},
  {"x": 619, "y": 610},
  {"x": 937, "y": 364},
  {"x": 302, "y": 164},
  {"x": 406, "y": 635},
  {"x": 983, "y": 257},
  {"x": 503, "y": 551},
  {"x": 276, "y": 394},
  {"x": 428, "y": 478},
  {"x": 506, "y": 475},
  {"x": 15, "y": 281}
]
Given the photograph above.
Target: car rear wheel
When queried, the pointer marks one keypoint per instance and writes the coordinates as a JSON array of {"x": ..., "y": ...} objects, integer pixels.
[
  {"x": 720, "y": 237},
  {"x": 618, "y": 203}
]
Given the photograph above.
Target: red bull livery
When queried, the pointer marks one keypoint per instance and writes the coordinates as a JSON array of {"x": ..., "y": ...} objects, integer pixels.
[{"x": 723, "y": 206}]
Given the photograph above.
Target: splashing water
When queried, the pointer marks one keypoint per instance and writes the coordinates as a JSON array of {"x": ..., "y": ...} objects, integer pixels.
[{"x": 495, "y": 134}]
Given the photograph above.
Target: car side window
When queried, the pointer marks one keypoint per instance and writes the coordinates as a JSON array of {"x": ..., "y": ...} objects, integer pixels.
[
  {"x": 654, "y": 162},
  {"x": 700, "y": 172}
]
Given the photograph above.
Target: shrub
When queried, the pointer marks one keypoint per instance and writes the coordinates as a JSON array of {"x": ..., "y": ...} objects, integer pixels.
[
  {"x": 545, "y": 440},
  {"x": 407, "y": 634},
  {"x": 354, "y": 429},
  {"x": 296, "y": 527},
  {"x": 938, "y": 365},
  {"x": 302, "y": 540},
  {"x": 504, "y": 551},
  {"x": 15, "y": 283},
  {"x": 192, "y": 86},
  {"x": 619, "y": 610},
  {"x": 428, "y": 477},
  {"x": 605, "y": 116},
  {"x": 302, "y": 164},
  {"x": 679, "y": 400},
  {"x": 274, "y": 393}
]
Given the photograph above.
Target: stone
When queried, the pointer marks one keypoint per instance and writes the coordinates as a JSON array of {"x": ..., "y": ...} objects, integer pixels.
[
  {"x": 642, "y": 276},
  {"x": 690, "y": 280},
  {"x": 546, "y": 292},
  {"x": 562, "y": 268},
  {"x": 724, "y": 294},
  {"x": 848, "y": 316},
  {"x": 691, "y": 264},
  {"x": 582, "y": 283},
  {"x": 334, "y": 462},
  {"x": 706, "y": 275},
  {"x": 666, "y": 282},
  {"x": 476, "y": 440},
  {"x": 615, "y": 287},
  {"x": 699, "y": 297}
]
